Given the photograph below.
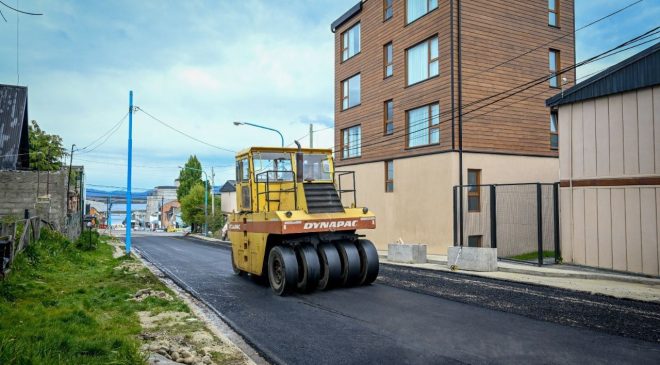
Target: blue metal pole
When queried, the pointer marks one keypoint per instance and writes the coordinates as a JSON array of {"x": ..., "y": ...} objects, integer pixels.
[{"x": 129, "y": 225}]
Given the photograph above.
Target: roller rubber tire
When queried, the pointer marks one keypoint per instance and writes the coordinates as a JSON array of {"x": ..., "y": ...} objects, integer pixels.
[
  {"x": 350, "y": 264},
  {"x": 235, "y": 268},
  {"x": 330, "y": 266},
  {"x": 369, "y": 264},
  {"x": 282, "y": 270},
  {"x": 309, "y": 268}
]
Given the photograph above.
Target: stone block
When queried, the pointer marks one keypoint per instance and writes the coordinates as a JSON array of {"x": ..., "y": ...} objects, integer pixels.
[
  {"x": 472, "y": 258},
  {"x": 406, "y": 253}
]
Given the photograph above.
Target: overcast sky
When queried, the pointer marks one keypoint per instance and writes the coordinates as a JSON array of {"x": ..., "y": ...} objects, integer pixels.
[{"x": 199, "y": 66}]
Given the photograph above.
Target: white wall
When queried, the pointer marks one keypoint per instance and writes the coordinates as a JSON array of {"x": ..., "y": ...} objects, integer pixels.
[{"x": 420, "y": 210}]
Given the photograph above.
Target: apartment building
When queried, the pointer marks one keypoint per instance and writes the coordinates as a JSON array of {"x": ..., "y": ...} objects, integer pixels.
[{"x": 414, "y": 76}]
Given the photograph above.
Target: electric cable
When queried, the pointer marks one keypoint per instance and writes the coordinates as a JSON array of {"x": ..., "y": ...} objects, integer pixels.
[{"x": 184, "y": 133}]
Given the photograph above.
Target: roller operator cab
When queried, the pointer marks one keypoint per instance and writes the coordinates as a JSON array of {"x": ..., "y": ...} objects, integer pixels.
[{"x": 295, "y": 225}]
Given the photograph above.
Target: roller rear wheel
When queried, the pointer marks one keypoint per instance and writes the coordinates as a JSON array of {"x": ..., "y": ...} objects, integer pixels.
[
  {"x": 330, "y": 266},
  {"x": 309, "y": 268},
  {"x": 368, "y": 261},
  {"x": 282, "y": 270},
  {"x": 350, "y": 263}
]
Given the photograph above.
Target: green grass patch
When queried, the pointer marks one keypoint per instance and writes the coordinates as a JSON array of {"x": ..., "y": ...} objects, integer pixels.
[
  {"x": 530, "y": 256},
  {"x": 66, "y": 303}
]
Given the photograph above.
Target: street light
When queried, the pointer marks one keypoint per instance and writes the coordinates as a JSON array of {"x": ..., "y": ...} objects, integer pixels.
[
  {"x": 262, "y": 127},
  {"x": 206, "y": 198}
]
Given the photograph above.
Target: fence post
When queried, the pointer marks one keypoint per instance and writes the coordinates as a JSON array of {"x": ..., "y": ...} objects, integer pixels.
[
  {"x": 455, "y": 217},
  {"x": 493, "y": 217},
  {"x": 555, "y": 201},
  {"x": 539, "y": 220}
]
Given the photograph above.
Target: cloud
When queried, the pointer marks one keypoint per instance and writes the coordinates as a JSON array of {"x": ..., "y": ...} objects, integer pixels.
[{"x": 197, "y": 65}]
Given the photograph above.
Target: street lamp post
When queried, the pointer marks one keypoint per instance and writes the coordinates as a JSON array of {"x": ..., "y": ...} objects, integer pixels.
[
  {"x": 262, "y": 127},
  {"x": 206, "y": 198}
]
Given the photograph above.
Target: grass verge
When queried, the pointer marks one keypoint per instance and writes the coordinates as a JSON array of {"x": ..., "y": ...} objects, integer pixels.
[
  {"x": 533, "y": 256},
  {"x": 69, "y": 303}
]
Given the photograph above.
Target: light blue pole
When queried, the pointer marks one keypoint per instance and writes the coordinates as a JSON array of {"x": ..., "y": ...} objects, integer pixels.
[
  {"x": 263, "y": 127},
  {"x": 129, "y": 225}
]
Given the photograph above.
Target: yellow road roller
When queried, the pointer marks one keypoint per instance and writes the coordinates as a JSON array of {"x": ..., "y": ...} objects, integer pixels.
[{"x": 296, "y": 225}]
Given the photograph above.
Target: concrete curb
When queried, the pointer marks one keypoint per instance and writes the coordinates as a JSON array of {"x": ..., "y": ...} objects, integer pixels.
[{"x": 571, "y": 275}]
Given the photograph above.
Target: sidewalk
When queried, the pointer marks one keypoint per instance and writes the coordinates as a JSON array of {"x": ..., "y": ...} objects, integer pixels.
[{"x": 561, "y": 276}]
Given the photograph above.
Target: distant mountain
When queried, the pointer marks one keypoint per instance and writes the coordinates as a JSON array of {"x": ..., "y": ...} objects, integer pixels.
[{"x": 95, "y": 193}]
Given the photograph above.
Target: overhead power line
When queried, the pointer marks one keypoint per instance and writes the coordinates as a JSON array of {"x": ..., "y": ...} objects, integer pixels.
[
  {"x": 107, "y": 135},
  {"x": 18, "y": 10},
  {"x": 555, "y": 39},
  {"x": 184, "y": 133}
]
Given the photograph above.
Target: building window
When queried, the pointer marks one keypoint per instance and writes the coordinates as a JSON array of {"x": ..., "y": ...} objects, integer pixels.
[
  {"x": 475, "y": 241},
  {"x": 474, "y": 190},
  {"x": 351, "y": 142},
  {"x": 422, "y": 61},
  {"x": 553, "y": 13},
  {"x": 388, "y": 113},
  {"x": 350, "y": 92},
  {"x": 424, "y": 125},
  {"x": 415, "y": 9},
  {"x": 554, "y": 134},
  {"x": 387, "y": 9},
  {"x": 554, "y": 63},
  {"x": 350, "y": 42},
  {"x": 388, "y": 57},
  {"x": 389, "y": 176}
]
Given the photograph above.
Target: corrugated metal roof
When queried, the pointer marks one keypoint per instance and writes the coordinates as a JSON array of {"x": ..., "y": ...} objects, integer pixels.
[
  {"x": 639, "y": 71},
  {"x": 14, "y": 143},
  {"x": 346, "y": 16}
]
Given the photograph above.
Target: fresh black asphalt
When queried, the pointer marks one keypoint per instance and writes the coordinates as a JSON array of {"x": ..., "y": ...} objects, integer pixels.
[{"x": 411, "y": 316}]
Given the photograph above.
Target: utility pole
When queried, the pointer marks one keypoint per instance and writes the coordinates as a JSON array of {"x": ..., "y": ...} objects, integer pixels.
[
  {"x": 68, "y": 182},
  {"x": 129, "y": 224},
  {"x": 311, "y": 135},
  {"x": 212, "y": 192},
  {"x": 162, "y": 210}
]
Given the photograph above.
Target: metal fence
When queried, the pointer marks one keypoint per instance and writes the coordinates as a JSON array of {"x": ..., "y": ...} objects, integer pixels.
[
  {"x": 11, "y": 244},
  {"x": 520, "y": 220}
]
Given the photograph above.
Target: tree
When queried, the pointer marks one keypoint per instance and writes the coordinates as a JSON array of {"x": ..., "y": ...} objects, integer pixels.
[
  {"x": 192, "y": 206},
  {"x": 46, "y": 150},
  {"x": 189, "y": 176}
]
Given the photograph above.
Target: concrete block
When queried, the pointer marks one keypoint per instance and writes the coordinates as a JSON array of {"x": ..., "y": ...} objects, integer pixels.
[
  {"x": 406, "y": 253},
  {"x": 473, "y": 258}
]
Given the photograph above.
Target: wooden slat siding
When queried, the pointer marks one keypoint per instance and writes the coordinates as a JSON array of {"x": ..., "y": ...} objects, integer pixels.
[
  {"x": 493, "y": 31},
  {"x": 623, "y": 181}
]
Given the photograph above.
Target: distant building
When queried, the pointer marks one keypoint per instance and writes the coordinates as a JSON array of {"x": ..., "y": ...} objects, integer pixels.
[
  {"x": 228, "y": 197},
  {"x": 14, "y": 142},
  {"x": 171, "y": 215},
  {"x": 609, "y": 159},
  {"x": 159, "y": 196}
]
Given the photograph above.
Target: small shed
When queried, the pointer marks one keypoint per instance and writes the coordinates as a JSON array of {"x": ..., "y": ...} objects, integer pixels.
[
  {"x": 609, "y": 158},
  {"x": 14, "y": 142},
  {"x": 228, "y": 196}
]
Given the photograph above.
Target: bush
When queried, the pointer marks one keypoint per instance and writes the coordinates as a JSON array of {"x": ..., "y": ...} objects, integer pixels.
[{"x": 88, "y": 240}]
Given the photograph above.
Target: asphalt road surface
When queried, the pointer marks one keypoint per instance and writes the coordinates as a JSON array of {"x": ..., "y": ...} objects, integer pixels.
[{"x": 413, "y": 316}]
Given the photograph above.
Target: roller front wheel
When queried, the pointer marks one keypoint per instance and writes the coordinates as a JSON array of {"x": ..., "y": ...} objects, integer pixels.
[
  {"x": 350, "y": 263},
  {"x": 309, "y": 268},
  {"x": 282, "y": 270}
]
